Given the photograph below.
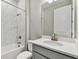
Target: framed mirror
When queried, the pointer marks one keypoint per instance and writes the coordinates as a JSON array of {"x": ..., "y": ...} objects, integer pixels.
[{"x": 59, "y": 17}]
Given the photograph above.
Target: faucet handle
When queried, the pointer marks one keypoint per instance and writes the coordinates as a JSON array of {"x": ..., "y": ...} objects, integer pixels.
[
  {"x": 20, "y": 37},
  {"x": 54, "y": 37}
]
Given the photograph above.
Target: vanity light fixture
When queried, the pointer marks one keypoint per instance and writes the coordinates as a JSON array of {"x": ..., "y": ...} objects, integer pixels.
[
  {"x": 55, "y": 0},
  {"x": 50, "y": 1}
]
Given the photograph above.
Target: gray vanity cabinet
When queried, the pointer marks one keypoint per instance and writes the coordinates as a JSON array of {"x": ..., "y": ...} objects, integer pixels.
[
  {"x": 38, "y": 56},
  {"x": 44, "y": 53}
]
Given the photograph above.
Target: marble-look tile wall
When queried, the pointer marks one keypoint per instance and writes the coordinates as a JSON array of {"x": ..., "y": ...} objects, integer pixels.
[
  {"x": 21, "y": 19},
  {"x": 21, "y": 25},
  {"x": 11, "y": 25}
]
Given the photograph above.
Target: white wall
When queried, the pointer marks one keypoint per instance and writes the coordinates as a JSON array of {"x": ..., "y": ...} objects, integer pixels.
[{"x": 35, "y": 21}]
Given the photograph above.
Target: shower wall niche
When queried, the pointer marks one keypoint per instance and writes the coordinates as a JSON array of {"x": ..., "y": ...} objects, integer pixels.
[{"x": 12, "y": 21}]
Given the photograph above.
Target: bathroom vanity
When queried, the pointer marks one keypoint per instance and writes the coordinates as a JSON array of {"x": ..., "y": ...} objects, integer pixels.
[
  {"x": 44, "y": 53},
  {"x": 58, "y": 18},
  {"x": 42, "y": 50}
]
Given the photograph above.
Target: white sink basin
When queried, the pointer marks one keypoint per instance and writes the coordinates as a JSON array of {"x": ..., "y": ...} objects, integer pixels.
[{"x": 53, "y": 43}]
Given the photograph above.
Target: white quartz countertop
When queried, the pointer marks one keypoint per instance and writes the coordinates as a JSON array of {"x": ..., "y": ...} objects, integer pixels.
[{"x": 67, "y": 48}]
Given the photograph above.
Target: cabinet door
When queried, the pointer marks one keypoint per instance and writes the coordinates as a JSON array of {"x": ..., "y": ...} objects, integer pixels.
[
  {"x": 60, "y": 56},
  {"x": 38, "y": 56}
]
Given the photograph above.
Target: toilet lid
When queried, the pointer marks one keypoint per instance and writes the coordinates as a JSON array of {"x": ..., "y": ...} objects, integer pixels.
[{"x": 24, "y": 55}]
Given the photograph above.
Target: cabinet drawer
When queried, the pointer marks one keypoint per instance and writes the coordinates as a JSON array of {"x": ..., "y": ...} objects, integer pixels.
[
  {"x": 50, "y": 54},
  {"x": 38, "y": 56}
]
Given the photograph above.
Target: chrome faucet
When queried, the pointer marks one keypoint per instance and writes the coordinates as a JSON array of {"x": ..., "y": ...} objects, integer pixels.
[
  {"x": 19, "y": 41},
  {"x": 54, "y": 37}
]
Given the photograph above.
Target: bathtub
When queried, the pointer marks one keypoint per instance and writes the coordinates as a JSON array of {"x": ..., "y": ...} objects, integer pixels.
[{"x": 11, "y": 51}]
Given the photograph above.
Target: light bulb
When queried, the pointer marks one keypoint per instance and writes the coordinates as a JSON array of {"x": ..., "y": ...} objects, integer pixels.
[
  {"x": 55, "y": 0},
  {"x": 50, "y": 1}
]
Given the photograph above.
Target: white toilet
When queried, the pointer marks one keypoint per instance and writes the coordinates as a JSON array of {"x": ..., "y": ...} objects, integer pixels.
[{"x": 26, "y": 54}]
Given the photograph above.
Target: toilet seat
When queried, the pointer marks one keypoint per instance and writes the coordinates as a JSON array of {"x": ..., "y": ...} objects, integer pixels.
[{"x": 24, "y": 55}]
